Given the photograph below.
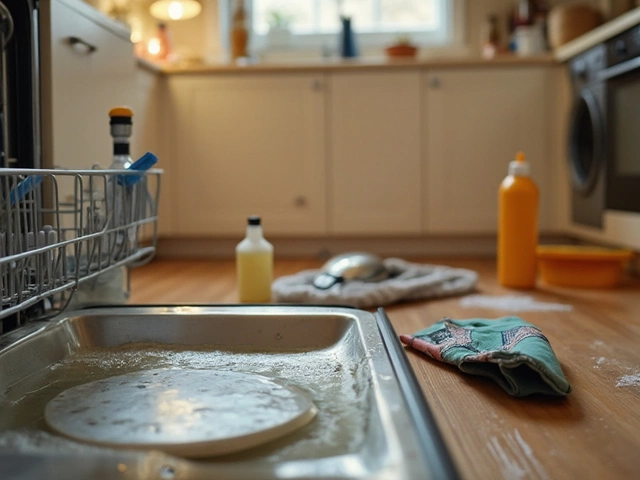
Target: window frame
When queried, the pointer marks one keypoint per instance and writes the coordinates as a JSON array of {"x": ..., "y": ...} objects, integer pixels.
[{"x": 451, "y": 35}]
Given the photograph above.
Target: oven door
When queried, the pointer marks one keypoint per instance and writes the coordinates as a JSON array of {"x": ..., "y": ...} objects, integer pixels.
[
  {"x": 586, "y": 140},
  {"x": 623, "y": 136}
]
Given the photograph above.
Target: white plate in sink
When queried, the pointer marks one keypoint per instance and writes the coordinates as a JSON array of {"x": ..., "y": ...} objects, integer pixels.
[{"x": 190, "y": 413}]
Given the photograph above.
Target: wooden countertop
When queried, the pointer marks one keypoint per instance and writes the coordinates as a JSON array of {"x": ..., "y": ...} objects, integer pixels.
[
  {"x": 592, "y": 433},
  {"x": 350, "y": 65},
  {"x": 598, "y": 35}
]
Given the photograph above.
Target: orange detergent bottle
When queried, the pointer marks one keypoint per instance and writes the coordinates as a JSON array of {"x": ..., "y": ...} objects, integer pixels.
[{"x": 517, "y": 226}]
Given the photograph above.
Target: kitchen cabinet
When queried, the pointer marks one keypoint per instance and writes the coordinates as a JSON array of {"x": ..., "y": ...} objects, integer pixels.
[
  {"x": 88, "y": 67},
  {"x": 247, "y": 145},
  {"x": 475, "y": 120},
  {"x": 352, "y": 153},
  {"x": 374, "y": 160}
]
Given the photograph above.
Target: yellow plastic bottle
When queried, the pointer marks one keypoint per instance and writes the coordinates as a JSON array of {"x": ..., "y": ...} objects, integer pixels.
[
  {"x": 517, "y": 226},
  {"x": 254, "y": 265}
]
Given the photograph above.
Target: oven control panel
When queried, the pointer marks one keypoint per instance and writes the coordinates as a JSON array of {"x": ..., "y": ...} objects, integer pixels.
[
  {"x": 584, "y": 68},
  {"x": 624, "y": 47}
]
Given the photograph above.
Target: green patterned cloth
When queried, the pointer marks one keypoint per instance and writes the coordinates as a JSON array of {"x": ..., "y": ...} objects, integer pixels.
[{"x": 509, "y": 350}]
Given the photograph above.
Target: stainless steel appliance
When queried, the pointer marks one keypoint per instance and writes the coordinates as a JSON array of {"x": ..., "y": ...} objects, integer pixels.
[
  {"x": 19, "y": 99},
  {"x": 622, "y": 79},
  {"x": 58, "y": 228},
  {"x": 587, "y": 152},
  {"x": 372, "y": 420},
  {"x": 604, "y": 141}
]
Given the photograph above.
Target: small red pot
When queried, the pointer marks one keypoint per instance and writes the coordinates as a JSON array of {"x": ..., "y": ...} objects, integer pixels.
[{"x": 401, "y": 51}]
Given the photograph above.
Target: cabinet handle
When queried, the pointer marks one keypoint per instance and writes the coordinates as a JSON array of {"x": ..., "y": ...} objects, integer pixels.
[
  {"x": 434, "y": 82},
  {"x": 73, "y": 41},
  {"x": 300, "y": 201},
  {"x": 316, "y": 85}
]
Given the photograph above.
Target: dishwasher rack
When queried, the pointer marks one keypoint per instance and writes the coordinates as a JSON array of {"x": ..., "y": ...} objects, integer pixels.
[{"x": 60, "y": 228}]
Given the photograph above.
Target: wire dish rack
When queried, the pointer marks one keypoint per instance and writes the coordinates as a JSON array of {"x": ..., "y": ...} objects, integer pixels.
[{"x": 62, "y": 228}]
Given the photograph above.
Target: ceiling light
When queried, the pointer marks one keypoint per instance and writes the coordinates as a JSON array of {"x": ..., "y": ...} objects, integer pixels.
[
  {"x": 153, "y": 47},
  {"x": 175, "y": 9}
]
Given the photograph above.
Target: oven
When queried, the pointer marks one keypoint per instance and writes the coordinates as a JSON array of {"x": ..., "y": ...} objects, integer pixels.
[{"x": 622, "y": 80}]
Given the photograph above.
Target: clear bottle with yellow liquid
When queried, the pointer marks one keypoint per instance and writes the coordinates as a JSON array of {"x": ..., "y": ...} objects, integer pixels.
[
  {"x": 254, "y": 265},
  {"x": 517, "y": 226}
]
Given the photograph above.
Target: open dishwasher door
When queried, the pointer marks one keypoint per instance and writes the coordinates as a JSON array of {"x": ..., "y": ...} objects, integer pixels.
[{"x": 372, "y": 421}]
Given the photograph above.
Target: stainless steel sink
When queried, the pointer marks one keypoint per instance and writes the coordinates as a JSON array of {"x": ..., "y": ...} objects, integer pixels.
[{"x": 372, "y": 421}]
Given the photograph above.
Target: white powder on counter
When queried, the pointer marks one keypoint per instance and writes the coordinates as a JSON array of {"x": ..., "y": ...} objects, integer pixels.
[
  {"x": 599, "y": 362},
  {"x": 629, "y": 381},
  {"x": 513, "y": 303}
]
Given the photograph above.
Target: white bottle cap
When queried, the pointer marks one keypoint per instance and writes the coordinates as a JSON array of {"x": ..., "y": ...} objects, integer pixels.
[{"x": 519, "y": 167}]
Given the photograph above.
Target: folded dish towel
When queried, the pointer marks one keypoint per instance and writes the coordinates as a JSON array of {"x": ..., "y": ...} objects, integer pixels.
[
  {"x": 509, "y": 350},
  {"x": 407, "y": 281}
]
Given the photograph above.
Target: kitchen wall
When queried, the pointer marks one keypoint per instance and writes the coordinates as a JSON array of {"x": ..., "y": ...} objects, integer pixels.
[{"x": 200, "y": 37}]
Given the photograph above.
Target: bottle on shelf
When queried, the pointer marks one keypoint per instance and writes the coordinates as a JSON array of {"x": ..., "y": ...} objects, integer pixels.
[
  {"x": 160, "y": 47},
  {"x": 491, "y": 40},
  {"x": 254, "y": 265},
  {"x": 239, "y": 33},
  {"x": 517, "y": 226}
]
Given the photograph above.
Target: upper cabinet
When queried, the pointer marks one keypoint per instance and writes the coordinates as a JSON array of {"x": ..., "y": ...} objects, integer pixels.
[
  {"x": 475, "y": 120},
  {"x": 374, "y": 160},
  {"x": 244, "y": 145},
  {"x": 88, "y": 67}
]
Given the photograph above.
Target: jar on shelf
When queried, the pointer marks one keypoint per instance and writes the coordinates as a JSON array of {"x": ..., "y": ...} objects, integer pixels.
[
  {"x": 491, "y": 37},
  {"x": 239, "y": 33}
]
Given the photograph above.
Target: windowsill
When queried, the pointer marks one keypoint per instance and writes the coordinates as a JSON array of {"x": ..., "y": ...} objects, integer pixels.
[
  {"x": 305, "y": 55},
  {"x": 377, "y": 62}
]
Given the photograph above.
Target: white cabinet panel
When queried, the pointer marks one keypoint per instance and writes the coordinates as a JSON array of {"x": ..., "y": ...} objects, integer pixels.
[
  {"x": 81, "y": 83},
  {"x": 374, "y": 162},
  {"x": 248, "y": 144},
  {"x": 475, "y": 121}
]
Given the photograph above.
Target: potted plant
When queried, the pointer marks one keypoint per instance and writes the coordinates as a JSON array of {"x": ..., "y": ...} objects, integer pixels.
[
  {"x": 279, "y": 34},
  {"x": 402, "y": 47}
]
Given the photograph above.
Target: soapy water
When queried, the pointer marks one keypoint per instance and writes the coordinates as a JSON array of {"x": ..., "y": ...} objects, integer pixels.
[{"x": 338, "y": 385}]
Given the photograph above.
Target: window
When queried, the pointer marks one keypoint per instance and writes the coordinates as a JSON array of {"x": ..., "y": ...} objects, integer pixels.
[{"x": 315, "y": 23}]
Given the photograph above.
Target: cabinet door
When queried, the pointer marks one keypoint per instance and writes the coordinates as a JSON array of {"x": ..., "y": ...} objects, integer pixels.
[
  {"x": 248, "y": 144},
  {"x": 82, "y": 81},
  {"x": 476, "y": 121},
  {"x": 375, "y": 153}
]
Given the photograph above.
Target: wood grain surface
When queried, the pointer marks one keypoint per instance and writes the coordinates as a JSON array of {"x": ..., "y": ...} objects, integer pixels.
[{"x": 592, "y": 433}]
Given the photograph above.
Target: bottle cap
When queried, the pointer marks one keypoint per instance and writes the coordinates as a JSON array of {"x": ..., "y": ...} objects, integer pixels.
[
  {"x": 120, "y": 116},
  {"x": 519, "y": 166},
  {"x": 254, "y": 220},
  {"x": 121, "y": 112}
]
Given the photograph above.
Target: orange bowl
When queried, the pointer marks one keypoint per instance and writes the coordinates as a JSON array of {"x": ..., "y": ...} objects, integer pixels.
[
  {"x": 582, "y": 266},
  {"x": 401, "y": 51}
]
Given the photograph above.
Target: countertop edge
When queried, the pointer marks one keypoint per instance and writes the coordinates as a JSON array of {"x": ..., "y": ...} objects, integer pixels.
[
  {"x": 149, "y": 66},
  {"x": 358, "y": 65},
  {"x": 598, "y": 35}
]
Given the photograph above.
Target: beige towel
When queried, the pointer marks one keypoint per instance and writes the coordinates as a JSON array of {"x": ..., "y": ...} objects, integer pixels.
[{"x": 408, "y": 281}]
